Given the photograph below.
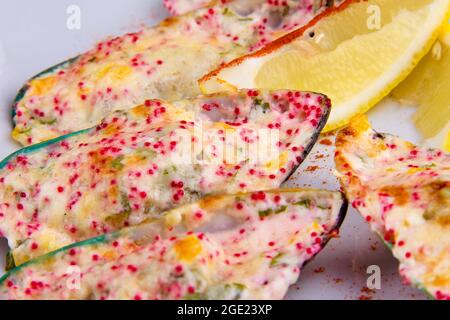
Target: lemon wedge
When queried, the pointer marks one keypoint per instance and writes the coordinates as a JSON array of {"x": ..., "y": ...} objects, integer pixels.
[
  {"x": 428, "y": 86},
  {"x": 355, "y": 53}
]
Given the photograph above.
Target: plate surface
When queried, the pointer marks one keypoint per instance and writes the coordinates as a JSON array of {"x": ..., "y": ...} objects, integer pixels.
[{"x": 34, "y": 36}]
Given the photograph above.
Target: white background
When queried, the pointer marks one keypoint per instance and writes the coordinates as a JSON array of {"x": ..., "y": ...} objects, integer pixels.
[{"x": 34, "y": 36}]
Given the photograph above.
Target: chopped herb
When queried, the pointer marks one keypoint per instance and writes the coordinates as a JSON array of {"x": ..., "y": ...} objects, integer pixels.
[
  {"x": 226, "y": 12},
  {"x": 148, "y": 207},
  {"x": 117, "y": 163},
  {"x": 265, "y": 106},
  {"x": 47, "y": 121},
  {"x": 245, "y": 19},
  {"x": 238, "y": 286},
  {"x": 146, "y": 153},
  {"x": 195, "y": 296},
  {"x": 285, "y": 11},
  {"x": 265, "y": 213},
  {"x": 125, "y": 203},
  {"x": 268, "y": 212},
  {"x": 257, "y": 101},
  {"x": 25, "y": 130},
  {"x": 195, "y": 194},
  {"x": 276, "y": 260},
  {"x": 118, "y": 220},
  {"x": 10, "y": 263},
  {"x": 281, "y": 209}
]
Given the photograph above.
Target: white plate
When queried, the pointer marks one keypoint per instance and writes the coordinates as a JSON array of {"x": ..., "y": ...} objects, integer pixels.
[{"x": 34, "y": 36}]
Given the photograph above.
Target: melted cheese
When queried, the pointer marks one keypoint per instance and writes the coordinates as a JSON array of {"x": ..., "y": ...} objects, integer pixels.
[
  {"x": 157, "y": 62},
  {"x": 403, "y": 191},
  {"x": 257, "y": 254}
]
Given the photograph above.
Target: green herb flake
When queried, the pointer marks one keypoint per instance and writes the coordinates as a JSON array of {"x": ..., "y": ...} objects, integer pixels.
[
  {"x": 257, "y": 101},
  {"x": 145, "y": 153},
  {"x": 265, "y": 106},
  {"x": 195, "y": 296},
  {"x": 125, "y": 203}
]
